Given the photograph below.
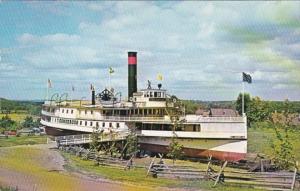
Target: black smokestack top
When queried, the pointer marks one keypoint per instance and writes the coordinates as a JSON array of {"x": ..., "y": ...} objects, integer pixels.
[
  {"x": 93, "y": 97},
  {"x": 132, "y": 70}
]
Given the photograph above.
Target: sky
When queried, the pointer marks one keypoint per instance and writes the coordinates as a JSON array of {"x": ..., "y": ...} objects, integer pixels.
[{"x": 200, "y": 48}]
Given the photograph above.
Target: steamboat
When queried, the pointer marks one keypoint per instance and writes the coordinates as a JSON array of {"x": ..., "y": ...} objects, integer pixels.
[{"x": 153, "y": 115}]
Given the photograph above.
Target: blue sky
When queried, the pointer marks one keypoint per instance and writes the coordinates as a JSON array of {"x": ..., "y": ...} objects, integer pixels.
[{"x": 200, "y": 48}]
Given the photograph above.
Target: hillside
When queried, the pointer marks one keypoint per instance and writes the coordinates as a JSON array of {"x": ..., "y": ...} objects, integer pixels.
[{"x": 13, "y": 106}]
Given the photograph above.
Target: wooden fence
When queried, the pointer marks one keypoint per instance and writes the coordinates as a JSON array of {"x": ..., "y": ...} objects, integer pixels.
[
  {"x": 98, "y": 159},
  {"x": 282, "y": 180}
]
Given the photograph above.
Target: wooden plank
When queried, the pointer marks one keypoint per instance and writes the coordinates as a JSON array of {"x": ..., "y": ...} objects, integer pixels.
[
  {"x": 262, "y": 166},
  {"x": 221, "y": 170},
  {"x": 263, "y": 184},
  {"x": 150, "y": 166},
  {"x": 160, "y": 158},
  {"x": 129, "y": 163},
  {"x": 177, "y": 170},
  {"x": 294, "y": 177},
  {"x": 209, "y": 163}
]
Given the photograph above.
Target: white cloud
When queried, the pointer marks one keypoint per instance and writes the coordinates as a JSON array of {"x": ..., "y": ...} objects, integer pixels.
[
  {"x": 62, "y": 56},
  {"x": 94, "y": 6},
  {"x": 58, "y": 38},
  {"x": 184, "y": 41}
]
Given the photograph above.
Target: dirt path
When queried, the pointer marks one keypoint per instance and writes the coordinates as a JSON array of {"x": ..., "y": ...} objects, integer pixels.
[
  {"x": 43, "y": 170},
  {"x": 38, "y": 167}
]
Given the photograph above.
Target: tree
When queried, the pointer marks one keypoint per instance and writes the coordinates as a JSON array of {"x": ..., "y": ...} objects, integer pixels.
[
  {"x": 28, "y": 122},
  {"x": 258, "y": 111},
  {"x": 7, "y": 123},
  {"x": 113, "y": 150},
  {"x": 175, "y": 150},
  {"x": 95, "y": 139},
  {"x": 131, "y": 143},
  {"x": 282, "y": 148}
]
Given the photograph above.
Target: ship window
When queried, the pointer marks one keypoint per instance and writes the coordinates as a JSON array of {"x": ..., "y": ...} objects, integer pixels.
[
  {"x": 85, "y": 123},
  {"x": 72, "y": 111},
  {"x": 63, "y": 111},
  {"x": 150, "y": 111},
  {"x": 67, "y": 111},
  {"x": 85, "y": 111},
  {"x": 97, "y": 124},
  {"x": 155, "y": 94},
  {"x": 118, "y": 125},
  {"x": 80, "y": 122},
  {"x": 103, "y": 124},
  {"x": 92, "y": 112},
  {"x": 91, "y": 123},
  {"x": 151, "y": 95},
  {"x": 110, "y": 124},
  {"x": 158, "y": 94}
]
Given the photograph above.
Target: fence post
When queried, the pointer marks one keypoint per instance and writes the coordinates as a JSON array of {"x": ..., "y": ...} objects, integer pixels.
[
  {"x": 208, "y": 165},
  {"x": 294, "y": 177},
  {"x": 262, "y": 165},
  {"x": 150, "y": 166},
  {"x": 221, "y": 170}
]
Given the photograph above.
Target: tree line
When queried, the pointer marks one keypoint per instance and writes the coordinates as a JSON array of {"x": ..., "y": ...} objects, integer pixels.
[
  {"x": 7, "y": 124},
  {"x": 258, "y": 110},
  {"x": 12, "y": 106}
]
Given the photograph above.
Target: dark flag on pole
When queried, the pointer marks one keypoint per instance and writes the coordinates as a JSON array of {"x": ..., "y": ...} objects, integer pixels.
[
  {"x": 92, "y": 87},
  {"x": 247, "y": 78}
]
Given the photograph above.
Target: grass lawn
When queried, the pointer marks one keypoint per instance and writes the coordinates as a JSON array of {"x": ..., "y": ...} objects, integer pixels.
[
  {"x": 137, "y": 176},
  {"x": 23, "y": 140},
  {"x": 16, "y": 116},
  {"x": 19, "y": 117},
  {"x": 23, "y": 160},
  {"x": 260, "y": 139}
]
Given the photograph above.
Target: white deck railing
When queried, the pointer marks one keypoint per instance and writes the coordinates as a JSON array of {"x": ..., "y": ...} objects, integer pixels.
[
  {"x": 216, "y": 119},
  {"x": 87, "y": 138},
  {"x": 159, "y": 119}
]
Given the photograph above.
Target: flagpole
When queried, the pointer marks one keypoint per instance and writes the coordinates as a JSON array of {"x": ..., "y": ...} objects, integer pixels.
[
  {"x": 109, "y": 85},
  {"x": 71, "y": 96},
  {"x": 243, "y": 99},
  {"x": 47, "y": 91}
]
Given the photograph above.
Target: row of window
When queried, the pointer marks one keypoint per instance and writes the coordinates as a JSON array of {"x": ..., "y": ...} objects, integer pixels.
[
  {"x": 67, "y": 111},
  {"x": 154, "y": 94},
  {"x": 66, "y": 121},
  {"x": 86, "y": 112},
  {"x": 97, "y": 124},
  {"x": 165, "y": 127},
  {"x": 134, "y": 112},
  {"x": 48, "y": 109},
  {"x": 85, "y": 123}
]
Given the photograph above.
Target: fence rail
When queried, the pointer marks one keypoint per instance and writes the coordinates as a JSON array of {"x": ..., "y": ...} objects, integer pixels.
[
  {"x": 282, "y": 180},
  {"x": 98, "y": 159}
]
